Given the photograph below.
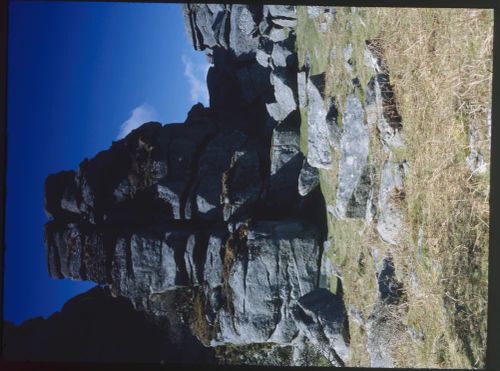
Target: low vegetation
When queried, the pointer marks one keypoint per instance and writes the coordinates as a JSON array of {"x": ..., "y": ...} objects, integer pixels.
[{"x": 440, "y": 65}]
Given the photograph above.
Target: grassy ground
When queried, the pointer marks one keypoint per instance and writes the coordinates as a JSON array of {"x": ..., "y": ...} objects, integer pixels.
[{"x": 440, "y": 63}]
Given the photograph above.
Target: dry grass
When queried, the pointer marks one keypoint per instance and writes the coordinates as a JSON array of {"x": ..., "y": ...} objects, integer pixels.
[
  {"x": 441, "y": 71},
  {"x": 440, "y": 63}
]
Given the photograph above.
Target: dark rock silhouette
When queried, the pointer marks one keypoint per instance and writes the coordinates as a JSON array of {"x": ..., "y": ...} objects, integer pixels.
[{"x": 96, "y": 327}]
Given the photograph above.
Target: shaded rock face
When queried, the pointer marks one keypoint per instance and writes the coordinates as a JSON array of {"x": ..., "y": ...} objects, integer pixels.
[
  {"x": 96, "y": 327},
  {"x": 213, "y": 228},
  {"x": 322, "y": 317},
  {"x": 274, "y": 266}
]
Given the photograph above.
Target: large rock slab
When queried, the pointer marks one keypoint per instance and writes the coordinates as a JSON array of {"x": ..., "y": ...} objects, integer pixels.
[
  {"x": 391, "y": 194},
  {"x": 275, "y": 266},
  {"x": 354, "y": 171}
]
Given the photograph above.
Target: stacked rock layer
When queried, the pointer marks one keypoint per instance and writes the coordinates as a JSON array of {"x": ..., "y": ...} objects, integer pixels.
[{"x": 216, "y": 226}]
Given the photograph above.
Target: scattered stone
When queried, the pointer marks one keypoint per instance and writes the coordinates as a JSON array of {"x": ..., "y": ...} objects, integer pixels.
[
  {"x": 308, "y": 178},
  {"x": 475, "y": 160}
]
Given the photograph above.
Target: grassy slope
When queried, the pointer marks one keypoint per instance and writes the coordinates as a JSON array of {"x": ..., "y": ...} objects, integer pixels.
[{"x": 440, "y": 66}]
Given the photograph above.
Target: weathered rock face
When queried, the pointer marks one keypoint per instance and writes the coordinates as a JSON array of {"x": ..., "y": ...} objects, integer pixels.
[
  {"x": 321, "y": 315},
  {"x": 213, "y": 227},
  {"x": 274, "y": 266}
]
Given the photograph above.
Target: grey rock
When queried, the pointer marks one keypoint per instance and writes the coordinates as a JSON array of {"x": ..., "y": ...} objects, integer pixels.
[
  {"x": 373, "y": 57},
  {"x": 381, "y": 109},
  {"x": 475, "y": 160},
  {"x": 170, "y": 192},
  {"x": 146, "y": 253},
  {"x": 308, "y": 178},
  {"x": 390, "y": 290},
  {"x": 262, "y": 58},
  {"x": 220, "y": 28},
  {"x": 278, "y": 260},
  {"x": 321, "y": 317},
  {"x": 314, "y": 11},
  {"x": 348, "y": 58},
  {"x": 335, "y": 132},
  {"x": 280, "y": 55},
  {"x": 241, "y": 184},
  {"x": 284, "y": 22},
  {"x": 280, "y": 11},
  {"x": 189, "y": 21},
  {"x": 302, "y": 89},
  {"x": 277, "y": 34},
  {"x": 381, "y": 332},
  {"x": 204, "y": 22},
  {"x": 215, "y": 159},
  {"x": 150, "y": 216},
  {"x": 216, "y": 8},
  {"x": 213, "y": 262},
  {"x": 318, "y": 147},
  {"x": 391, "y": 216},
  {"x": 355, "y": 315},
  {"x": 264, "y": 27},
  {"x": 354, "y": 171},
  {"x": 286, "y": 163},
  {"x": 242, "y": 42},
  {"x": 284, "y": 95},
  {"x": 327, "y": 270}
]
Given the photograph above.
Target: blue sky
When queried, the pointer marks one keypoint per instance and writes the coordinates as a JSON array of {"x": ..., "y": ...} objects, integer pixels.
[{"x": 80, "y": 75}]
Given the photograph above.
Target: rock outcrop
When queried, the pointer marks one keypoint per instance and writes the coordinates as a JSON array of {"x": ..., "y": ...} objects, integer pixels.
[
  {"x": 96, "y": 327},
  {"x": 213, "y": 227}
]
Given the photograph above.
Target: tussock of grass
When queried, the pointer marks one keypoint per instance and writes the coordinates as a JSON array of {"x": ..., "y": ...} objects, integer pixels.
[
  {"x": 308, "y": 34},
  {"x": 303, "y": 131},
  {"x": 352, "y": 257},
  {"x": 440, "y": 63}
]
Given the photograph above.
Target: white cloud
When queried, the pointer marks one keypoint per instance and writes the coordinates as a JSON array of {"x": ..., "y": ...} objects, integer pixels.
[
  {"x": 197, "y": 75},
  {"x": 139, "y": 115}
]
